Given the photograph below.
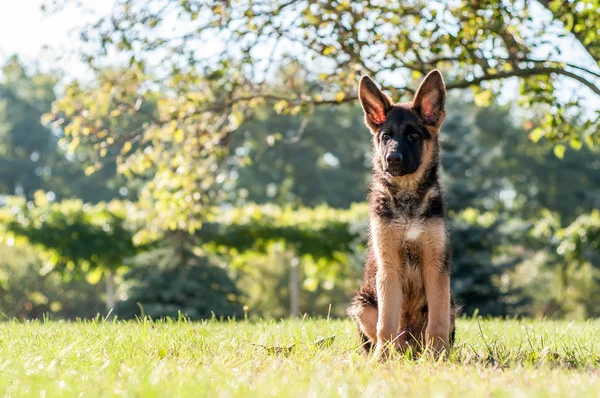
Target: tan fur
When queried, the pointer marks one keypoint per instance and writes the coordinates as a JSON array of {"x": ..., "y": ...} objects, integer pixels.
[
  {"x": 386, "y": 245},
  {"x": 437, "y": 285},
  {"x": 393, "y": 275}
]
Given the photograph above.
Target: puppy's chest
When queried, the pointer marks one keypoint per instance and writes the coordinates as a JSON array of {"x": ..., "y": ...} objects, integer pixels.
[
  {"x": 412, "y": 231},
  {"x": 407, "y": 237},
  {"x": 402, "y": 225},
  {"x": 399, "y": 210}
]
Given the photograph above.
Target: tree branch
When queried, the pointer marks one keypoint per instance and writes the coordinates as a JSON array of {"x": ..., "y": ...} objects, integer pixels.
[
  {"x": 525, "y": 73},
  {"x": 539, "y": 70}
]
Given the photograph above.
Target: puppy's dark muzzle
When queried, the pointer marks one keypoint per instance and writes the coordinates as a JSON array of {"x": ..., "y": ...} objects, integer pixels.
[{"x": 395, "y": 164}]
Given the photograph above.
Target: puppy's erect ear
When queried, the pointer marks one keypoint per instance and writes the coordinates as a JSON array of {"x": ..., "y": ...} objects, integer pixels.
[
  {"x": 374, "y": 102},
  {"x": 429, "y": 100}
]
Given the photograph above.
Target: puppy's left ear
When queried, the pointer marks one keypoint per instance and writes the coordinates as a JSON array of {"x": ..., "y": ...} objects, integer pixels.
[{"x": 429, "y": 100}]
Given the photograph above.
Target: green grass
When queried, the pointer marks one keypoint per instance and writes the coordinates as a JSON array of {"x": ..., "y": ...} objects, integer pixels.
[{"x": 503, "y": 359}]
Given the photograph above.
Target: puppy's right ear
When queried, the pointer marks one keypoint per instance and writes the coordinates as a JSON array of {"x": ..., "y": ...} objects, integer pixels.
[{"x": 374, "y": 102}]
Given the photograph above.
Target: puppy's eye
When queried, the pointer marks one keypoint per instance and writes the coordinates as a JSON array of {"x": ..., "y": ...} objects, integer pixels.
[
  {"x": 414, "y": 136},
  {"x": 386, "y": 137}
]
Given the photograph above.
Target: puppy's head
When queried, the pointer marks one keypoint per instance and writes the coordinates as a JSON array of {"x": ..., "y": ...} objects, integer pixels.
[{"x": 403, "y": 133}]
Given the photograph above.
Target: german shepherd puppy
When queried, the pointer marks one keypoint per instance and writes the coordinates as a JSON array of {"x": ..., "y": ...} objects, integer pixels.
[{"x": 405, "y": 300}]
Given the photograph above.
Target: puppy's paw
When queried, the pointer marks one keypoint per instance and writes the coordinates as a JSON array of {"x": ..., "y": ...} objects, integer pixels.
[
  {"x": 437, "y": 342},
  {"x": 382, "y": 351}
]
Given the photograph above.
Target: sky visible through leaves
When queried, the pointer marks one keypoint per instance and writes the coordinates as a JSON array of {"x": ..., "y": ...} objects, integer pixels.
[{"x": 50, "y": 42}]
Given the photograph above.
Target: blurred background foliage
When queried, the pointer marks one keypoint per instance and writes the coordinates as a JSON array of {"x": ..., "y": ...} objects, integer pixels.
[{"x": 219, "y": 169}]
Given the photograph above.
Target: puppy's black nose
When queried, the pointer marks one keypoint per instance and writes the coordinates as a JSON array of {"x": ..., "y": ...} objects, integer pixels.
[{"x": 394, "y": 159}]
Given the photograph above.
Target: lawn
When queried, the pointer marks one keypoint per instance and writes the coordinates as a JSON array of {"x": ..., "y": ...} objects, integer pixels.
[{"x": 499, "y": 358}]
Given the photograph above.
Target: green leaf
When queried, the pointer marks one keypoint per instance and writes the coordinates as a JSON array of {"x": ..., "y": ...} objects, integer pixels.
[
  {"x": 576, "y": 143},
  {"x": 280, "y": 106},
  {"x": 536, "y": 134},
  {"x": 126, "y": 147},
  {"x": 94, "y": 276}
]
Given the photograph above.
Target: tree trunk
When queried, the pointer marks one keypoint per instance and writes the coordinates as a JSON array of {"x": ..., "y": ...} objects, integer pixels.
[
  {"x": 294, "y": 289},
  {"x": 110, "y": 290}
]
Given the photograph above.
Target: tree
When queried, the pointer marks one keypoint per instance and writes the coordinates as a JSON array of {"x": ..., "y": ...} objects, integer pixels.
[
  {"x": 579, "y": 247},
  {"x": 580, "y": 20},
  {"x": 317, "y": 50},
  {"x": 27, "y": 292},
  {"x": 26, "y": 145},
  {"x": 158, "y": 137},
  {"x": 568, "y": 277},
  {"x": 299, "y": 57},
  {"x": 79, "y": 240},
  {"x": 312, "y": 247},
  {"x": 170, "y": 279},
  {"x": 327, "y": 163},
  {"x": 32, "y": 155},
  {"x": 478, "y": 43}
]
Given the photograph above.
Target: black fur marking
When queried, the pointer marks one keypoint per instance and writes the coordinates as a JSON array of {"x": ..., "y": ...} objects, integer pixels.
[
  {"x": 430, "y": 178},
  {"x": 435, "y": 208},
  {"x": 406, "y": 204},
  {"x": 452, "y": 336},
  {"x": 367, "y": 344},
  {"x": 365, "y": 298},
  {"x": 457, "y": 309},
  {"x": 413, "y": 256},
  {"x": 447, "y": 265},
  {"x": 383, "y": 208},
  {"x": 399, "y": 117}
]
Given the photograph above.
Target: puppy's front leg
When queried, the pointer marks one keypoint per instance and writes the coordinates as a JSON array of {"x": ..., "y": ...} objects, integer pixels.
[
  {"x": 389, "y": 302},
  {"x": 389, "y": 286},
  {"x": 436, "y": 278}
]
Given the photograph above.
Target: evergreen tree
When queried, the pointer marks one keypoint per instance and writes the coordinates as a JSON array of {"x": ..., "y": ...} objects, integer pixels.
[
  {"x": 26, "y": 146},
  {"x": 171, "y": 279}
]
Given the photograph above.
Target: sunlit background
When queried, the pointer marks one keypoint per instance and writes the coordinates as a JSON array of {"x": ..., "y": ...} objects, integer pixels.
[{"x": 209, "y": 158}]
